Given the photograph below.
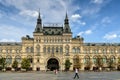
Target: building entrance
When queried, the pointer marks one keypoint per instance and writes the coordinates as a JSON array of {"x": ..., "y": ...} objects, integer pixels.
[{"x": 52, "y": 64}]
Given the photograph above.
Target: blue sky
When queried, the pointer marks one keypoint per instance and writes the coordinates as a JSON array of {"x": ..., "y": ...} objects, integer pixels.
[{"x": 94, "y": 20}]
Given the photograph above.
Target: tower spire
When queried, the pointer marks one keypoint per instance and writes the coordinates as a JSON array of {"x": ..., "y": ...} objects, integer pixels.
[
  {"x": 39, "y": 17},
  {"x": 66, "y": 17},
  {"x": 39, "y": 23},
  {"x": 66, "y": 24},
  {"x": 66, "y": 21}
]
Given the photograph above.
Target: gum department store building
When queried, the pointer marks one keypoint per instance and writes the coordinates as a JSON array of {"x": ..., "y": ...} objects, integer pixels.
[{"x": 52, "y": 45}]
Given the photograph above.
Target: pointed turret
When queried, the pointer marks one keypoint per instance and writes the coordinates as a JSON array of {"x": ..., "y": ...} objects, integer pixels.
[
  {"x": 39, "y": 24},
  {"x": 39, "y": 19},
  {"x": 66, "y": 25}
]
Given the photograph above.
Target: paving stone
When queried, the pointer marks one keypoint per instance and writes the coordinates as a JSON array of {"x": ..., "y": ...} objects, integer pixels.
[{"x": 59, "y": 76}]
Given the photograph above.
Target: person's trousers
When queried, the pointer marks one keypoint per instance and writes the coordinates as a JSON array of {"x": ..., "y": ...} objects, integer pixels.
[{"x": 76, "y": 75}]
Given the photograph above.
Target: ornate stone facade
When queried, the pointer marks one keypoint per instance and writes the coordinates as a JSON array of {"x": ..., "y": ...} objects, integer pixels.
[{"x": 52, "y": 45}]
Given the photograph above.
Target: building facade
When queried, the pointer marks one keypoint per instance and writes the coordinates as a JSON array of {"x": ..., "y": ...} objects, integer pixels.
[{"x": 52, "y": 45}]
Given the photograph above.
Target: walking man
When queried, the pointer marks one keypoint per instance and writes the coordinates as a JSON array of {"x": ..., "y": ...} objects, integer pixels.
[{"x": 76, "y": 73}]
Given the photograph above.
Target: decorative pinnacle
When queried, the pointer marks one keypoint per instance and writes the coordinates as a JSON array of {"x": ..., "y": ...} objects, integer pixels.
[
  {"x": 39, "y": 14},
  {"x": 66, "y": 15}
]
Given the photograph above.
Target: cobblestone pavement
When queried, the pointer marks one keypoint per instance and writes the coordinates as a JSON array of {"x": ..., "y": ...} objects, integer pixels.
[{"x": 59, "y": 76}]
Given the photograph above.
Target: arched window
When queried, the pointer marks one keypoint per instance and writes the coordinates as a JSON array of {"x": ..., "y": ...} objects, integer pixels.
[
  {"x": 104, "y": 59},
  {"x": 18, "y": 59},
  {"x": 86, "y": 59},
  {"x": 57, "y": 49},
  {"x": 44, "y": 49},
  {"x": 27, "y": 49},
  {"x": 52, "y": 49},
  {"x": 78, "y": 50},
  {"x": 95, "y": 60},
  {"x": 111, "y": 51},
  {"x": 104, "y": 51},
  {"x": 67, "y": 50},
  {"x": 95, "y": 51},
  {"x": 73, "y": 50},
  {"x": 38, "y": 49},
  {"x": 61, "y": 49},
  {"x": 112, "y": 58},
  {"x": 48, "y": 49},
  {"x": 8, "y": 59},
  {"x": 32, "y": 50},
  {"x": 17, "y": 51}
]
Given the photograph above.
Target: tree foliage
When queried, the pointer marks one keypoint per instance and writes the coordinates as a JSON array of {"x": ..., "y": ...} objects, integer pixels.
[
  {"x": 118, "y": 62},
  {"x": 88, "y": 64},
  {"x": 15, "y": 65},
  {"x": 111, "y": 63},
  {"x": 99, "y": 62},
  {"x": 2, "y": 62},
  {"x": 25, "y": 64},
  {"x": 67, "y": 64}
]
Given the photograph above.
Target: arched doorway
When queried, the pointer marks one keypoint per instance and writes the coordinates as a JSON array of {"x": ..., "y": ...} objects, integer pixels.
[{"x": 52, "y": 64}]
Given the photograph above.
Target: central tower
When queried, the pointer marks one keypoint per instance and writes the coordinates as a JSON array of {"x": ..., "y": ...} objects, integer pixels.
[{"x": 51, "y": 42}]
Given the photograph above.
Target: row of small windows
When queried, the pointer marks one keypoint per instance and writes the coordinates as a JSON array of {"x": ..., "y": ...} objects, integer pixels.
[
  {"x": 53, "y": 49},
  {"x": 10, "y": 50},
  {"x": 74, "y": 50},
  {"x": 53, "y": 40},
  {"x": 29, "y": 49},
  {"x": 59, "y": 40},
  {"x": 102, "y": 51},
  {"x": 45, "y": 49}
]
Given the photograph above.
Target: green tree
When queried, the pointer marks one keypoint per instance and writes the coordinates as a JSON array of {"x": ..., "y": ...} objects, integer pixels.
[
  {"x": 15, "y": 65},
  {"x": 88, "y": 65},
  {"x": 2, "y": 63},
  {"x": 99, "y": 63},
  {"x": 118, "y": 64},
  {"x": 111, "y": 63},
  {"x": 25, "y": 64},
  {"x": 67, "y": 64}
]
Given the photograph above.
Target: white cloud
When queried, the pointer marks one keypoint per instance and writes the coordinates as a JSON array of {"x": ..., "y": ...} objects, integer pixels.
[
  {"x": 76, "y": 16},
  {"x": 11, "y": 33},
  {"x": 77, "y": 19},
  {"x": 29, "y": 13},
  {"x": 87, "y": 32},
  {"x": 106, "y": 20},
  {"x": 53, "y": 11},
  {"x": 110, "y": 36},
  {"x": 80, "y": 33},
  {"x": 82, "y": 23},
  {"x": 97, "y": 1}
]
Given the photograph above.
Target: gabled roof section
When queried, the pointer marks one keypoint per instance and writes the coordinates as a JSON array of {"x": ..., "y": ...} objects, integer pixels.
[{"x": 52, "y": 30}]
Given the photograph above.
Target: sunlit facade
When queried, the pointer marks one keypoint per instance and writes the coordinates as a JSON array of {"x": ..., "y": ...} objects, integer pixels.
[{"x": 52, "y": 44}]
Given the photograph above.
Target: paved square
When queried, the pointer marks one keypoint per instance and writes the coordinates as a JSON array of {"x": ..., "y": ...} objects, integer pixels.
[{"x": 59, "y": 76}]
